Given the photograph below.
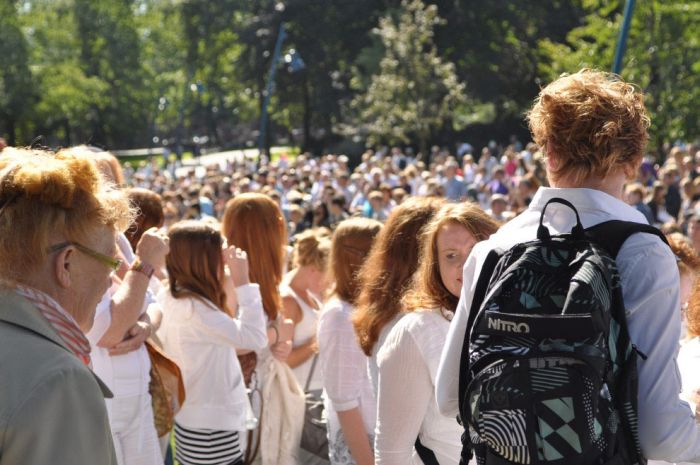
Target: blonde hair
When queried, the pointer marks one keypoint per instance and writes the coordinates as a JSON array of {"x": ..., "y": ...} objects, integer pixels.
[
  {"x": 311, "y": 248},
  {"x": 428, "y": 291},
  {"x": 592, "y": 122},
  {"x": 43, "y": 194}
]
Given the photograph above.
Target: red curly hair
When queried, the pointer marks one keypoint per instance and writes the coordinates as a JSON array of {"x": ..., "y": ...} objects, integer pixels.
[{"x": 592, "y": 123}]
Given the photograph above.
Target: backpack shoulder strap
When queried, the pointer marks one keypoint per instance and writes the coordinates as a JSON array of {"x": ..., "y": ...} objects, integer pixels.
[
  {"x": 612, "y": 234},
  {"x": 482, "y": 286}
]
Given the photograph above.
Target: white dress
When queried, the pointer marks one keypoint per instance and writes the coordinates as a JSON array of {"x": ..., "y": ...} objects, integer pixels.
[
  {"x": 343, "y": 369},
  {"x": 408, "y": 362},
  {"x": 304, "y": 331}
]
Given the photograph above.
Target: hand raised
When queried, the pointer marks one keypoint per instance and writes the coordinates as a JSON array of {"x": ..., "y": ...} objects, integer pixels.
[
  {"x": 237, "y": 262},
  {"x": 152, "y": 248}
]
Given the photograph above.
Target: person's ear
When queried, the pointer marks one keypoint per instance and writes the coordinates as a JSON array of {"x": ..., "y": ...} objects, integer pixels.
[
  {"x": 551, "y": 158},
  {"x": 631, "y": 169},
  {"x": 63, "y": 267}
]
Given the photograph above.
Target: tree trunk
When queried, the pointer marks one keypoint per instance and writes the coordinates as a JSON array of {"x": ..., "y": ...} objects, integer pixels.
[
  {"x": 67, "y": 133},
  {"x": 11, "y": 132},
  {"x": 307, "y": 114},
  {"x": 423, "y": 147}
]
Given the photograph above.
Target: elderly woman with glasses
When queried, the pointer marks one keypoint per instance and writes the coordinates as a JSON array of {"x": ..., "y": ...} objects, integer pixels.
[{"x": 58, "y": 226}]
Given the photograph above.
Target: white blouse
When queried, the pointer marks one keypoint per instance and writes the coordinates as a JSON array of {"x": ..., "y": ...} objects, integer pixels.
[
  {"x": 372, "y": 368},
  {"x": 343, "y": 368},
  {"x": 203, "y": 340},
  {"x": 408, "y": 362}
]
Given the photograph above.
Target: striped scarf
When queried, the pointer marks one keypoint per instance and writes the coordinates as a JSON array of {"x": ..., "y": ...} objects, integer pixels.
[{"x": 62, "y": 322}]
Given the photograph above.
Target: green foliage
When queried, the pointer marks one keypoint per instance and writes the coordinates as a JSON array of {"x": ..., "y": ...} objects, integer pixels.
[
  {"x": 128, "y": 73},
  {"x": 110, "y": 49},
  {"x": 415, "y": 90},
  {"x": 16, "y": 90},
  {"x": 663, "y": 58}
]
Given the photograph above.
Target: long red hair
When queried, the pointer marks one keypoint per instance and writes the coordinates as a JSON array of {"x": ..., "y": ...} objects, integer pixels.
[
  {"x": 427, "y": 290},
  {"x": 386, "y": 274},
  {"x": 254, "y": 223},
  {"x": 352, "y": 241}
]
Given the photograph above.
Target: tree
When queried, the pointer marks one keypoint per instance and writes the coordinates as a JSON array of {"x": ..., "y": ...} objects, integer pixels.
[
  {"x": 64, "y": 109},
  {"x": 663, "y": 58},
  {"x": 17, "y": 92},
  {"x": 415, "y": 90},
  {"x": 110, "y": 49}
]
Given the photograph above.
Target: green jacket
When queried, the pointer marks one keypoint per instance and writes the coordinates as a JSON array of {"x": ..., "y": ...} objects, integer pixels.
[{"x": 52, "y": 409}]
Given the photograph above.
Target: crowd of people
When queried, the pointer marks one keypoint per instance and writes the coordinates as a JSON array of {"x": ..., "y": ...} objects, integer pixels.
[{"x": 218, "y": 309}]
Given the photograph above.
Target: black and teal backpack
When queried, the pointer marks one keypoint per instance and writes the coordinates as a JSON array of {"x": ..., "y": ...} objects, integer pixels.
[{"x": 549, "y": 374}]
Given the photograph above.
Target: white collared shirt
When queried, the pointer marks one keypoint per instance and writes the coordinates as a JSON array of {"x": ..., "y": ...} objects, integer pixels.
[{"x": 651, "y": 292}]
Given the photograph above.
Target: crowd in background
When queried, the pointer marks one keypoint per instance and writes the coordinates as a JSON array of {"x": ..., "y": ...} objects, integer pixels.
[{"x": 322, "y": 191}]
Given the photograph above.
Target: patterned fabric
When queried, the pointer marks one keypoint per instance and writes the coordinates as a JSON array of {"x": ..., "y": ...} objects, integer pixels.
[
  {"x": 548, "y": 343},
  {"x": 207, "y": 447},
  {"x": 338, "y": 450},
  {"x": 60, "y": 320}
]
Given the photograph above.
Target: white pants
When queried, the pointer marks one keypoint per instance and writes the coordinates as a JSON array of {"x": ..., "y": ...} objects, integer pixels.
[{"x": 133, "y": 431}]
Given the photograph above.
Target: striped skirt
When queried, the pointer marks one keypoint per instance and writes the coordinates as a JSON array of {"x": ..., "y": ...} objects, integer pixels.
[{"x": 207, "y": 447}]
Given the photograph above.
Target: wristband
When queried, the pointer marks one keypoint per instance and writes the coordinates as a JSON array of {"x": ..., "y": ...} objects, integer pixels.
[{"x": 141, "y": 267}]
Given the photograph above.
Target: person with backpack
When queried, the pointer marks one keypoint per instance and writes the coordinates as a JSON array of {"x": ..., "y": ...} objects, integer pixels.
[{"x": 563, "y": 346}]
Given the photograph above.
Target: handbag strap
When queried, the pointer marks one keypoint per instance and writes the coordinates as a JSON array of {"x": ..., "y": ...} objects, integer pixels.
[
  {"x": 426, "y": 455},
  {"x": 311, "y": 373}
]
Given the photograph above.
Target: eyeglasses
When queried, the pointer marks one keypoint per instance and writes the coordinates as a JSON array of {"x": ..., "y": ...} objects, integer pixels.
[{"x": 113, "y": 263}]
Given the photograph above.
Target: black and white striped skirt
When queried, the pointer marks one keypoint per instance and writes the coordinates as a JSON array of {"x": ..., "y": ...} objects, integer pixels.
[{"x": 207, "y": 447}]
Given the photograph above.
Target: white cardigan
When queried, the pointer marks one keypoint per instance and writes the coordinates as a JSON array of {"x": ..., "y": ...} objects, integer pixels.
[{"x": 203, "y": 340}]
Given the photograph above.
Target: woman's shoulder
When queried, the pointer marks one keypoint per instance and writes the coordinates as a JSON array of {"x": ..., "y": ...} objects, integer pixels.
[
  {"x": 418, "y": 321},
  {"x": 426, "y": 330},
  {"x": 334, "y": 312}
]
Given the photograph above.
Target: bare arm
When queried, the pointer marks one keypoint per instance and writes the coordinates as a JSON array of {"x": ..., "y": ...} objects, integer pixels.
[
  {"x": 356, "y": 437},
  {"x": 292, "y": 312},
  {"x": 302, "y": 353},
  {"x": 127, "y": 301},
  {"x": 126, "y": 307}
]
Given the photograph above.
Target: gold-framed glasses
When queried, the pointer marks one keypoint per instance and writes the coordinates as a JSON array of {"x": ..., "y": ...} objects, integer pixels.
[{"x": 113, "y": 263}]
